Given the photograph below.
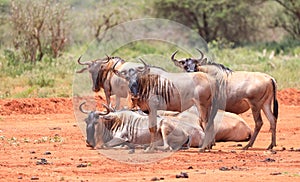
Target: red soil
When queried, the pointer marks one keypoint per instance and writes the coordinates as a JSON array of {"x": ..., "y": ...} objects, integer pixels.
[{"x": 35, "y": 129}]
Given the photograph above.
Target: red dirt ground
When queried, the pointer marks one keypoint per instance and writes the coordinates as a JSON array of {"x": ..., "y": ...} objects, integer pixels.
[{"x": 33, "y": 131}]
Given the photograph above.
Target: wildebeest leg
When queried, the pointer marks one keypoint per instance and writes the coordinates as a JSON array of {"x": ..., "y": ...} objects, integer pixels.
[
  {"x": 165, "y": 132},
  {"x": 107, "y": 97},
  {"x": 153, "y": 131},
  {"x": 115, "y": 142},
  {"x": 273, "y": 122},
  {"x": 131, "y": 147},
  {"x": 117, "y": 103},
  {"x": 209, "y": 111},
  {"x": 202, "y": 114},
  {"x": 258, "y": 124},
  {"x": 152, "y": 117},
  {"x": 209, "y": 138}
]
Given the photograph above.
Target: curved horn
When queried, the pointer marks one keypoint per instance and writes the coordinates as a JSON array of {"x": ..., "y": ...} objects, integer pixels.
[
  {"x": 81, "y": 109},
  {"x": 84, "y": 63},
  {"x": 107, "y": 59},
  {"x": 104, "y": 113},
  {"x": 173, "y": 55},
  {"x": 201, "y": 53},
  {"x": 145, "y": 65},
  {"x": 113, "y": 68}
]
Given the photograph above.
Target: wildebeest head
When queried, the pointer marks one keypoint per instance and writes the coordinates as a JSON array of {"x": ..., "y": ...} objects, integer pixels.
[
  {"x": 95, "y": 69},
  {"x": 132, "y": 76},
  {"x": 188, "y": 64},
  {"x": 91, "y": 121}
]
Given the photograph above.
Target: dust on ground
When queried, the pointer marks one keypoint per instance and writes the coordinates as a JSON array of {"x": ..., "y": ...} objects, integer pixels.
[{"x": 40, "y": 140}]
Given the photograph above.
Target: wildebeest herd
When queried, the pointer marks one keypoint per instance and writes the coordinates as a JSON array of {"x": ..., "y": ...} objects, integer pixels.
[{"x": 169, "y": 111}]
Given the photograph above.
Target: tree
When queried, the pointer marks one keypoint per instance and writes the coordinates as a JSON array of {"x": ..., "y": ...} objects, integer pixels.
[
  {"x": 37, "y": 25},
  {"x": 212, "y": 19},
  {"x": 107, "y": 14},
  {"x": 289, "y": 20}
]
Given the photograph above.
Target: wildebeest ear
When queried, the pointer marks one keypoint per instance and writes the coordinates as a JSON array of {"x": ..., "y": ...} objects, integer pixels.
[
  {"x": 203, "y": 61},
  {"x": 82, "y": 70},
  {"x": 180, "y": 63},
  {"x": 109, "y": 117}
]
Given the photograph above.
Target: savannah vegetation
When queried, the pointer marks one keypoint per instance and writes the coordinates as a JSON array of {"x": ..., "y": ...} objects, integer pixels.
[{"x": 41, "y": 40}]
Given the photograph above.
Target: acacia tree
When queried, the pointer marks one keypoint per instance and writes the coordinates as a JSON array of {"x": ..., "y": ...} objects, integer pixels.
[
  {"x": 289, "y": 20},
  {"x": 212, "y": 19},
  {"x": 58, "y": 27},
  {"x": 37, "y": 25},
  {"x": 107, "y": 14}
]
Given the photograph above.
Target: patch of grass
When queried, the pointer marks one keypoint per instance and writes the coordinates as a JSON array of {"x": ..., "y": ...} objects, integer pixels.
[{"x": 54, "y": 77}]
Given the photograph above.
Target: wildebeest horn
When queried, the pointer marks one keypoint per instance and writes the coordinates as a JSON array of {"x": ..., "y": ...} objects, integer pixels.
[
  {"x": 173, "y": 55},
  {"x": 81, "y": 109},
  {"x": 84, "y": 63},
  {"x": 108, "y": 59},
  {"x": 104, "y": 113},
  {"x": 113, "y": 68},
  {"x": 201, "y": 53},
  {"x": 145, "y": 65}
]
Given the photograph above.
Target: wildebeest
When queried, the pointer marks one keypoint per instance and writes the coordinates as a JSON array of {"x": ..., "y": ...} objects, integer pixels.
[
  {"x": 175, "y": 129},
  {"x": 230, "y": 128},
  {"x": 244, "y": 90},
  {"x": 173, "y": 92},
  {"x": 130, "y": 128},
  {"x": 102, "y": 77}
]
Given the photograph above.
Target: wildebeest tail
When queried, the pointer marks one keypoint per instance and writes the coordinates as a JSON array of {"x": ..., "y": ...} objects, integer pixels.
[{"x": 275, "y": 102}]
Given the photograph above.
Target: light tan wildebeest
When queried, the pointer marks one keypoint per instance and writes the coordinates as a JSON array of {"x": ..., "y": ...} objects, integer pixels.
[
  {"x": 244, "y": 91},
  {"x": 230, "y": 128},
  {"x": 173, "y": 92}
]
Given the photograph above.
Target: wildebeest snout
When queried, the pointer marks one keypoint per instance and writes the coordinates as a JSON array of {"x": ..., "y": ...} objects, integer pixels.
[{"x": 134, "y": 89}]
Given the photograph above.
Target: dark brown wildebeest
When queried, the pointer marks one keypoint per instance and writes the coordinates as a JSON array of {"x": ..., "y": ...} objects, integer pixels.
[
  {"x": 244, "y": 91},
  {"x": 103, "y": 77},
  {"x": 173, "y": 92}
]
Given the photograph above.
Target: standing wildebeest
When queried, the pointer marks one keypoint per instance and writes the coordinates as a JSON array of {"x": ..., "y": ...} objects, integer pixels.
[
  {"x": 102, "y": 76},
  {"x": 130, "y": 128},
  {"x": 244, "y": 90},
  {"x": 173, "y": 92}
]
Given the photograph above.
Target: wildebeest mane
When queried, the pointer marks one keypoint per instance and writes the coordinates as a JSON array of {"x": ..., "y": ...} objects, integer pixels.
[
  {"x": 155, "y": 84},
  {"x": 112, "y": 124},
  {"x": 218, "y": 65},
  {"x": 110, "y": 58},
  {"x": 104, "y": 74}
]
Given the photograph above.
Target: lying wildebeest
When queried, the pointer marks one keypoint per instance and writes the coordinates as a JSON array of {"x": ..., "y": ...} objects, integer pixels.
[
  {"x": 102, "y": 77},
  {"x": 175, "y": 129},
  {"x": 244, "y": 90},
  {"x": 173, "y": 92},
  {"x": 130, "y": 128},
  {"x": 231, "y": 127}
]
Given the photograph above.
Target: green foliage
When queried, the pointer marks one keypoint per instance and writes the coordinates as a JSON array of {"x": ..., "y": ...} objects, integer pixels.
[
  {"x": 213, "y": 19},
  {"x": 283, "y": 66},
  {"x": 288, "y": 17},
  {"x": 48, "y": 78},
  {"x": 231, "y": 27}
]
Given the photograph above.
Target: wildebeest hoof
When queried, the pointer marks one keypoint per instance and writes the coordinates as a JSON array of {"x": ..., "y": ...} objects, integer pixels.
[
  {"x": 149, "y": 150},
  {"x": 201, "y": 150},
  {"x": 132, "y": 151},
  {"x": 246, "y": 147},
  {"x": 164, "y": 148}
]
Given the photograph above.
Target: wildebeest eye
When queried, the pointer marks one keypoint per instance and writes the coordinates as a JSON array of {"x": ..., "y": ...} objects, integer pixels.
[{"x": 124, "y": 72}]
